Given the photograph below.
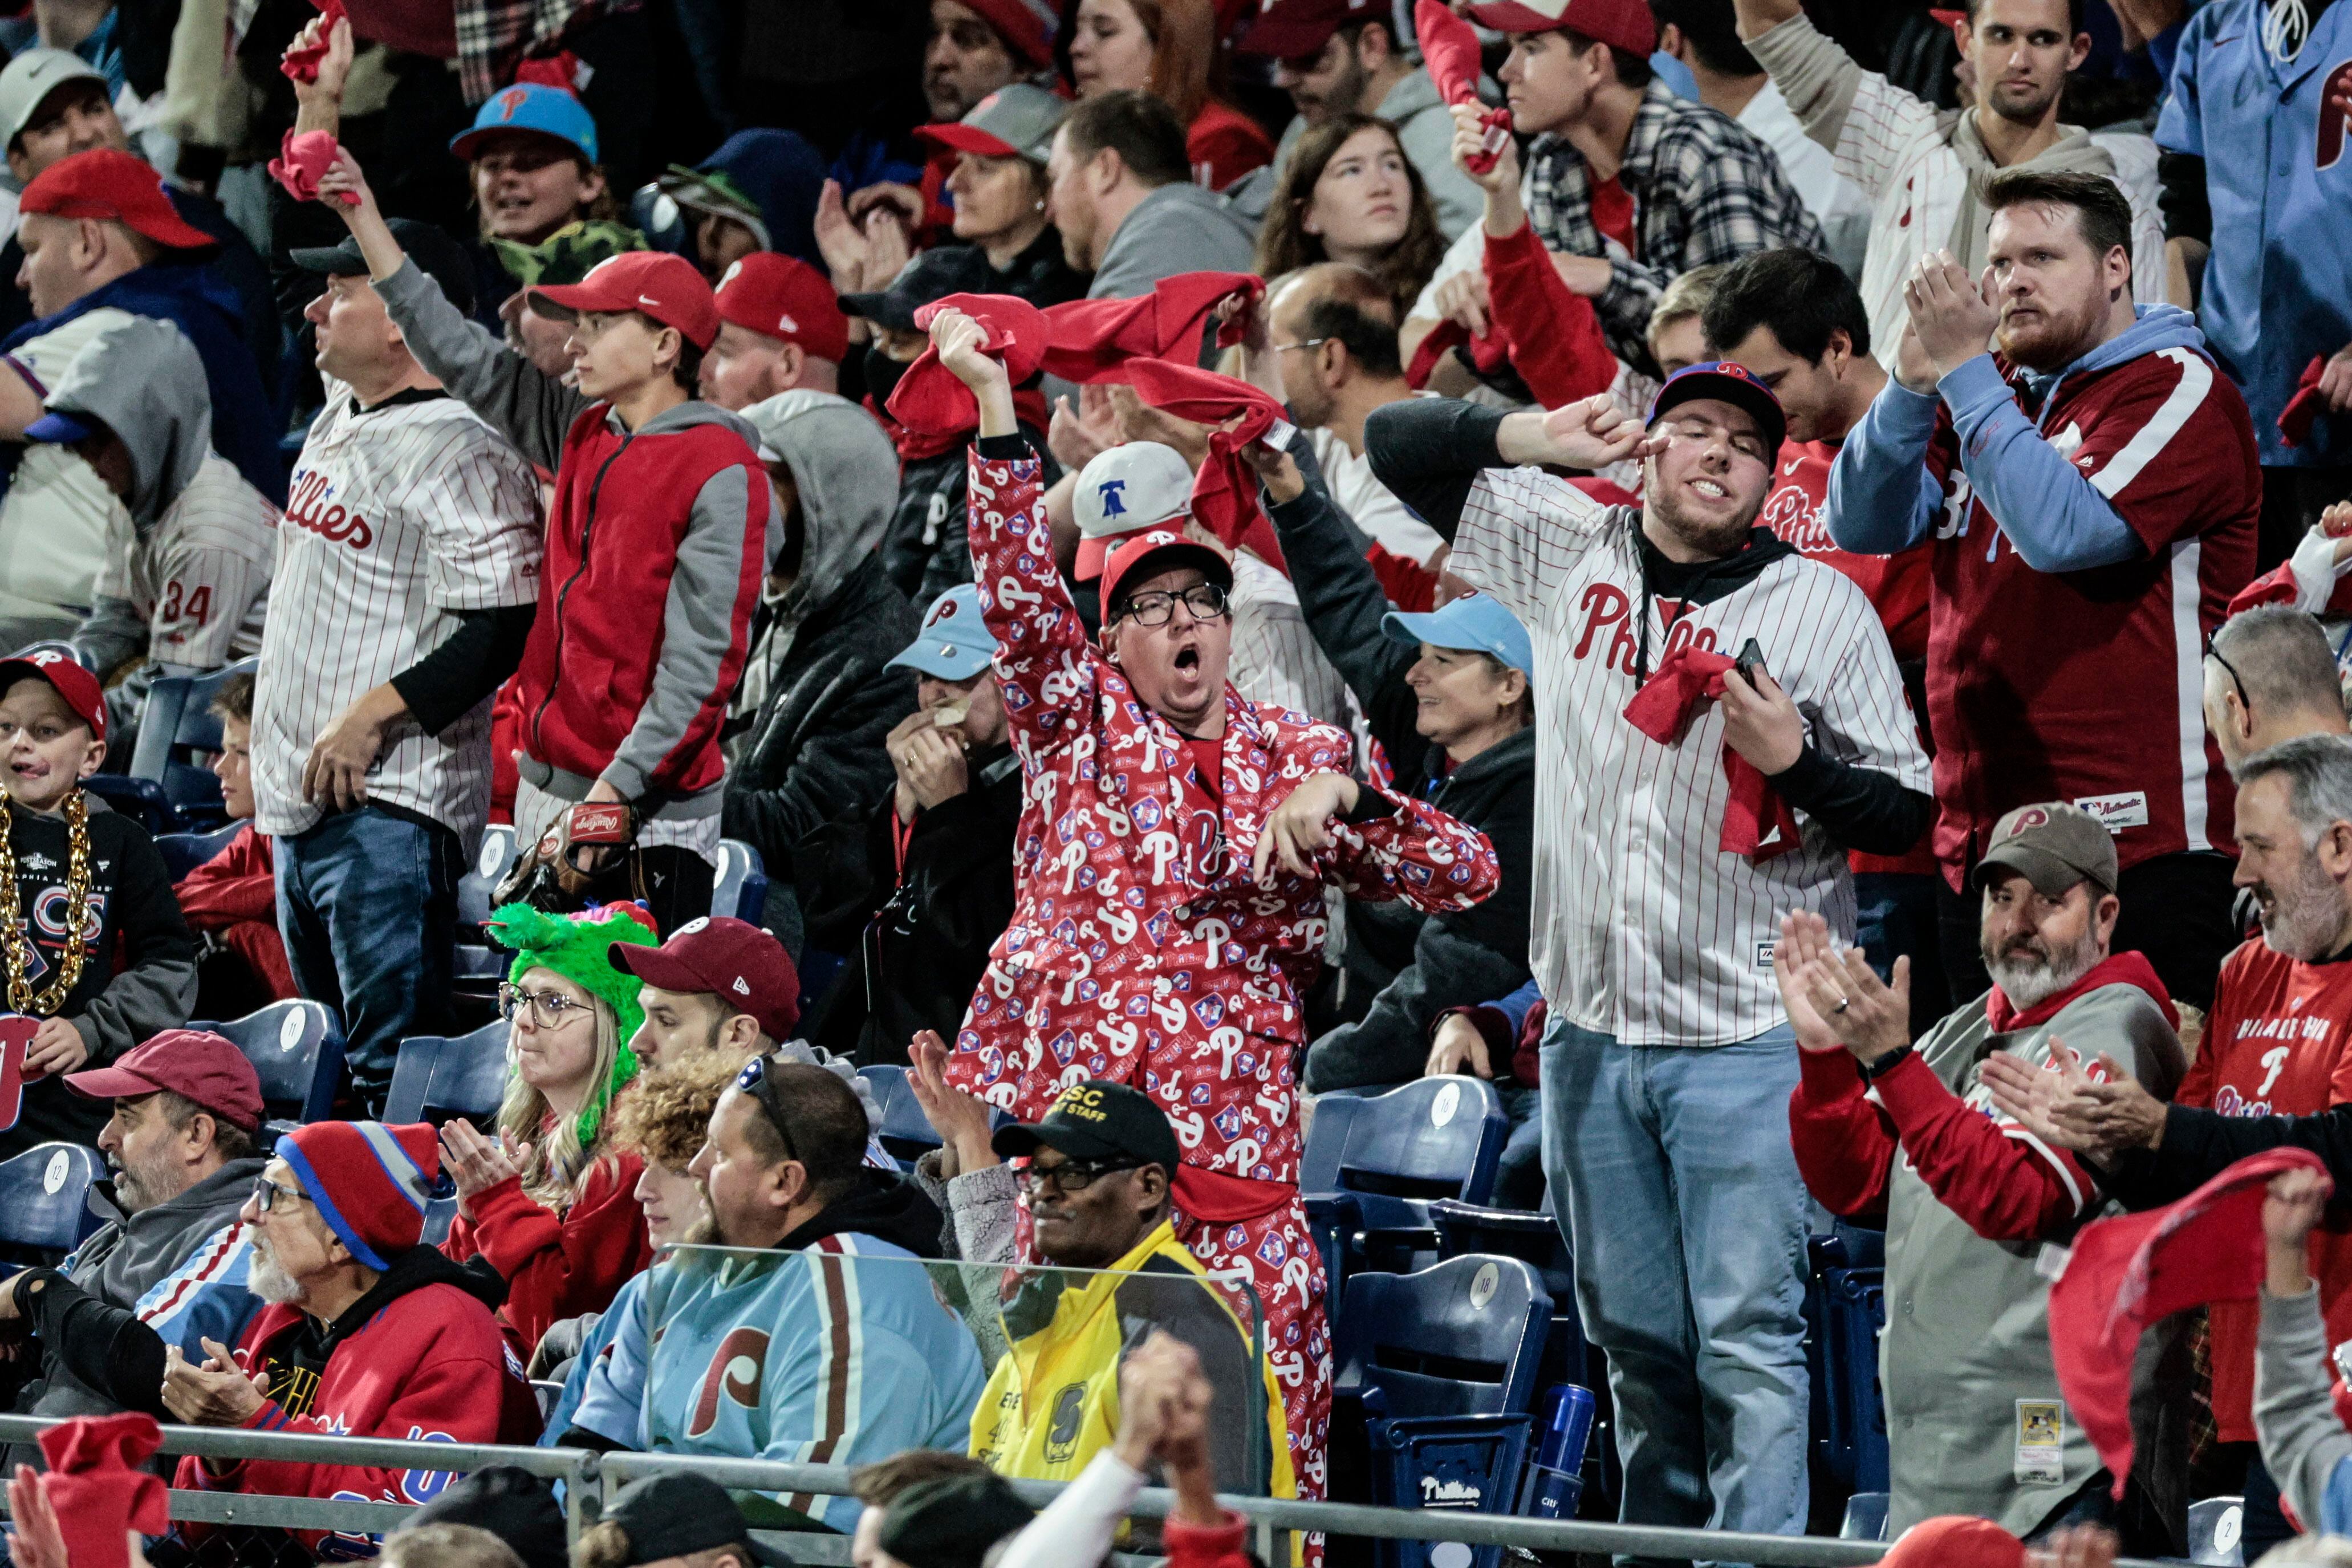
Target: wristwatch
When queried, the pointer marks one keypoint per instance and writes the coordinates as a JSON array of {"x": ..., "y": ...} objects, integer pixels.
[{"x": 1873, "y": 1071}]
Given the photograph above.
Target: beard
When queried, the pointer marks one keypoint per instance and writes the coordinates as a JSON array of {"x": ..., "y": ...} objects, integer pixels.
[
  {"x": 268, "y": 1281},
  {"x": 1713, "y": 537},
  {"x": 2029, "y": 973},
  {"x": 139, "y": 1187},
  {"x": 2303, "y": 919}
]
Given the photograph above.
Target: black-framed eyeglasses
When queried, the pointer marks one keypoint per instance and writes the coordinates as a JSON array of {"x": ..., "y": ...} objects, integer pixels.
[
  {"x": 1072, "y": 1176},
  {"x": 755, "y": 1081},
  {"x": 267, "y": 1195},
  {"x": 2214, "y": 654},
  {"x": 1204, "y": 601}
]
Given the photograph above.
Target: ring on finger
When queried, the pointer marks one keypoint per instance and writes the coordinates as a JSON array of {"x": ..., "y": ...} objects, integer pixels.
[{"x": 1844, "y": 1003}]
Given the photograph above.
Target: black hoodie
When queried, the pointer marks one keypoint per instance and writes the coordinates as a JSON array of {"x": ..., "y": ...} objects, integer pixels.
[{"x": 884, "y": 1205}]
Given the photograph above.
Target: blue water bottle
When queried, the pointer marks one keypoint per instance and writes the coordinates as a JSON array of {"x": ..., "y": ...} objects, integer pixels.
[{"x": 1557, "y": 1482}]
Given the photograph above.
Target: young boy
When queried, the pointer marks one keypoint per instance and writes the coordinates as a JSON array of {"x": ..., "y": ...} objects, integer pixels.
[
  {"x": 231, "y": 901},
  {"x": 94, "y": 944}
]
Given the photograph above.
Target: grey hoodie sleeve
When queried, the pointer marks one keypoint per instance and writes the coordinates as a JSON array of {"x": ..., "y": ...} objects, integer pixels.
[
  {"x": 705, "y": 621},
  {"x": 506, "y": 389},
  {"x": 111, "y": 634},
  {"x": 2303, "y": 1442},
  {"x": 980, "y": 1208}
]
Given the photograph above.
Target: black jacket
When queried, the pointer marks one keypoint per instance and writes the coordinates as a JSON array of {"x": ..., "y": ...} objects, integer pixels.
[
  {"x": 1451, "y": 960},
  {"x": 814, "y": 751},
  {"x": 927, "y": 547},
  {"x": 926, "y": 929}
]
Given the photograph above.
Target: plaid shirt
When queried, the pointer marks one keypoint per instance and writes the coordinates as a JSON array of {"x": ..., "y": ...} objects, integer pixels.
[
  {"x": 1704, "y": 191},
  {"x": 493, "y": 35}
]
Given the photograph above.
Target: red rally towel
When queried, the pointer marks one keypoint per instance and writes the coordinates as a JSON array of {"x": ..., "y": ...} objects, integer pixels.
[
  {"x": 1449, "y": 47},
  {"x": 1757, "y": 823},
  {"x": 2127, "y": 1272},
  {"x": 1092, "y": 340},
  {"x": 1225, "y": 492},
  {"x": 98, "y": 1484},
  {"x": 2306, "y": 405},
  {"x": 930, "y": 400},
  {"x": 303, "y": 64},
  {"x": 301, "y": 160}
]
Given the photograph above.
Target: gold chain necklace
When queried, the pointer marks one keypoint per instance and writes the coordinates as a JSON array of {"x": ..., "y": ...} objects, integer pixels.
[{"x": 21, "y": 997}]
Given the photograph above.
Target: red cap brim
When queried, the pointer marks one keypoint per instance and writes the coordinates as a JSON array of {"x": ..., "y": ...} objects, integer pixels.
[
  {"x": 1280, "y": 39},
  {"x": 959, "y": 138},
  {"x": 110, "y": 1083},
  {"x": 1092, "y": 553}
]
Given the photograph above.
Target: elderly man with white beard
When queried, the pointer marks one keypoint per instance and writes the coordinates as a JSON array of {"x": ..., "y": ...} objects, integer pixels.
[{"x": 1893, "y": 1132}]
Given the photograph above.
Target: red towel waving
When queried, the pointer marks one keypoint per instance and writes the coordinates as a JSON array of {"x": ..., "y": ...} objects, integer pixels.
[
  {"x": 1757, "y": 823},
  {"x": 302, "y": 63},
  {"x": 1225, "y": 492},
  {"x": 1449, "y": 47},
  {"x": 1090, "y": 339},
  {"x": 931, "y": 402}
]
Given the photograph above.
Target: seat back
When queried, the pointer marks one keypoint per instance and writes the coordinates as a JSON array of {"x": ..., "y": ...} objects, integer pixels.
[
  {"x": 2215, "y": 1531},
  {"x": 1327, "y": 1137},
  {"x": 142, "y": 800},
  {"x": 44, "y": 652},
  {"x": 45, "y": 1197},
  {"x": 1433, "y": 1138},
  {"x": 297, "y": 1050},
  {"x": 476, "y": 887},
  {"x": 905, "y": 1133},
  {"x": 1460, "y": 1338},
  {"x": 740, "y": 887},
  {"x": 176, "y": 725},
  {"x": 183, "y": 852},
  {"x": 438, "y": 1078},
  {"x": 1865, "y": 1517}
]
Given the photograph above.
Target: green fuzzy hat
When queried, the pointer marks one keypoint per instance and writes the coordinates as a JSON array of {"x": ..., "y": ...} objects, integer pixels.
[
  {"x": 567, "y": 255},
  {"x": 577, "y": 947}
]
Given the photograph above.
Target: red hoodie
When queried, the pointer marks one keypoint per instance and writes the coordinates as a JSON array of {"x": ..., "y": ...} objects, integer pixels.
[{"x": 558, "y": 1266}]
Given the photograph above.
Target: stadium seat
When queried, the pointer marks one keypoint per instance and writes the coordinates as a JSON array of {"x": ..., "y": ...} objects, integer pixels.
[
  {"x": 1397, "y": 1153},
  {"x": 476, "y": 965},
  {"x": 741, "y": 887},
  {"x": 35, "y": 651},
  {"x": 905, "y": 1133},
  {"x": 2215, "y": 1526},
  {"x": 1438, "y": 1369},
  {"x": 1865, "y": 1518},
  {"x": 438, "y": 1078},
  {"x": 1845, "y": 1309},
  {"x": 142, "y": 800},
  {"x": 45, "y": 1197},
  {"x": 177, "y": 725},
  {"x": 183, "y": 852},
  {"x": 297, "y": 1048}
]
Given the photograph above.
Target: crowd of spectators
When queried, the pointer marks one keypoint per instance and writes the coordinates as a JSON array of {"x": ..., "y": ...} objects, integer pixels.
[{"x": 1772, "y": 581}]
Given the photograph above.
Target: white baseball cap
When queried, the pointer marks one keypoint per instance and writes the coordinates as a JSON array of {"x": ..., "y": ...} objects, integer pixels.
[
  {"x": 1129, "y": 488},
  {"x": 29, "y": 78}
]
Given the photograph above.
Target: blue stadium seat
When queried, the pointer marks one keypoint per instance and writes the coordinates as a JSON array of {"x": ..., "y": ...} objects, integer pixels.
[
  {"x": 1845, "y": 1309},
  {"x": 1865, "y": 1517},
  {"x": 44, "y": 1197},
  {"x": 476, "y": 965},
  {"x": 297, "y": 1048},
  {"x": 142, "y": 800},
  {"x": 438, "y": 1078},
  {"x": 741, "y": 887},
  {"x": 905, "y": 1133},
  {"x": 1397, "y": 1153},
  {"x": 35, "y": 650},
  {"x": 1440, "y": 1369},
  {"x": 2216, "y": 1531},
  {"x": 176, "y": 725},
  {"x": 183, "y": 852}
]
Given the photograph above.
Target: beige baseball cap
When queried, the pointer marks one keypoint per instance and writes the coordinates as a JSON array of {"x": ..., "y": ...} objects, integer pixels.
[{"x": 2053, "y": 846}]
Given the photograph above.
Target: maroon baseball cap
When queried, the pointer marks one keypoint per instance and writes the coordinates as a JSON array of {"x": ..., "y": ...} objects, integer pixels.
[
  {"x": 784, "y": 298},
  {"x": 194, "y": 1064},
  {"x": 669, "y": 288},
  {"x": 1626, "y": 24},
  {"x": 78, "y": 686},
  {"x": 733, "y": 960},
  {"x": 1296, "y": 29},
  {"x": 105, "y": 183}
]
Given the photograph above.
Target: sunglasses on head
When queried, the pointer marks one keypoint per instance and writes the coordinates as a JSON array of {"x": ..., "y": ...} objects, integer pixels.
[{"x": 756, "y": 1081}]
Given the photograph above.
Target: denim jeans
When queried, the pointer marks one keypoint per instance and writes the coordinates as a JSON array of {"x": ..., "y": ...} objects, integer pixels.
[
  {"x": 1672, "y": 1168},
  {"x": 367, "y": 902}
]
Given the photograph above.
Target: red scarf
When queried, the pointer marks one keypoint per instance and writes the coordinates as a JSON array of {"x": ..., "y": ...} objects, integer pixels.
[
  {"x": 2115, "y": 969},
  {"x": 1757, "y": 822},
  {"x": 1225, "y": 492}
]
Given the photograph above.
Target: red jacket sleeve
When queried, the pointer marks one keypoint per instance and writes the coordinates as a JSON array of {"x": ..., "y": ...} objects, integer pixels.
[
  {"x": 2007, "y": 1183},
  {"x": 1556, "y": 341},
  {"x": 238, "y": 884},
  {"x": 1844, "y": 1145},
  {"x": 558, "y": 1266},
  {"x": 1207, "y": 1545}
]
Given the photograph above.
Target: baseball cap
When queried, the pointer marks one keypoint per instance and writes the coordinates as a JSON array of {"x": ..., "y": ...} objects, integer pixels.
[
  {"x": 784, "y": 298},
  {"x": 724, "y": 957},
  {"x": 1478, "y": 622},
  {"x": 679, "y": 1515},
  {"x": 27, "y": 82},
  {"x": 1133, "y": 486},
  {"x": 1163, "y": 548},
  {"x": 2053, "y": 846},
  {"x": 1014, "y": 121},
  {"x": 1027, "y": 26},
  {"x": 1729, "y": 382},
  {"x": 955, "y": 644},
  {"x": 1296, "y": 29},
  {"x": 105, "y": 183},
  {"x": 1096, "y": 1120},
  {"x": 194, "y": 1064},
  {"x": 1626, "y": 24},
  {"x": 436, "y": 255},
  {"x": 669, "y": 288},
  {"x": 528, "y": 105},
  {"x": 952, "y": 1521},
  {"x": 78, "y": 686},
  {"x": 933, "y": 275},
  {"x": 1955, "y": 1541},
  {"x": 511, "y": 1503}
]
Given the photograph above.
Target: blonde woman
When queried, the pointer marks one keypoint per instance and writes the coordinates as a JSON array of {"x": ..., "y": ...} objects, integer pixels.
[{"x": 550, "y": 1202}]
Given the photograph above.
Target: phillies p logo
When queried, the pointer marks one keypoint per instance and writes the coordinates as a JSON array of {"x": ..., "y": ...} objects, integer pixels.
[{"x": 735, "y": 1372}]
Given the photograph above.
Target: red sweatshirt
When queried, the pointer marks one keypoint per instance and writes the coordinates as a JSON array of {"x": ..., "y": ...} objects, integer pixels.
[
  {"x": 558, "y": 1266},
  {"x": 234, "y": 895},
  {"x": 1553, "y": 336},
  {"x": 1207, "y": 1545}
]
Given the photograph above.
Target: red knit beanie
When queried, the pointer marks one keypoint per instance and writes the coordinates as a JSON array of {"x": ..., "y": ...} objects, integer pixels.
[
  {"x": 99, "y": 1490},
  {"x": 370, "y": 1182}
]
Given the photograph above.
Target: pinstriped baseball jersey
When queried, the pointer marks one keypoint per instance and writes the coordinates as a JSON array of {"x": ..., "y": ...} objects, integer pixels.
[
  {"x": 201, "y": 575},
  {"x": 1645, "y": 927},
  {"x": 397, "y": 516}
]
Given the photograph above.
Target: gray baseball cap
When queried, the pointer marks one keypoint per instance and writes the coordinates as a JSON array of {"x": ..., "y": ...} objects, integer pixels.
[
  {"x": 1018, "y": 121},
  {"x": 29, "y": 78},
  {"x": 2053, "y": 846}
]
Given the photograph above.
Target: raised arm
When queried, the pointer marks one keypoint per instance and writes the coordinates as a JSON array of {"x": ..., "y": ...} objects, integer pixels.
[{"x": 1883, "y": 499}]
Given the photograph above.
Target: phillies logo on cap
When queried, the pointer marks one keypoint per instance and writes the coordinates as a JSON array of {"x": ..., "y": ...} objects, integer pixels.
[
  {"x": 2033, "y": 817},
  {"x": 47, "y": 657},
  {"x": 943, "y": 611},
  {"x": 512, "y": 101},
  {"x": 1111, "y": 489}
]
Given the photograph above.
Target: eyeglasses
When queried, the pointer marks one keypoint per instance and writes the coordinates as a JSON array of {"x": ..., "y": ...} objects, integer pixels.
[
  {"x": 1071, "y": 1177},
  {"x": 1204, "y": 601},
  {"x": 549, "y": 1009},
  {"x": 754, "y": 1081},
  {"x": 2214, "y": 654},
  {"x": 267, "y": 1195},
  {"x": 1308, "y": 343}
]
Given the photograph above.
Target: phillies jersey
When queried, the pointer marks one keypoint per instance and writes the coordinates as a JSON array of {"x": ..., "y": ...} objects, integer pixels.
[
  {"x": 2274, "y": 1045},
  {"x": 2089, "y": 686}
]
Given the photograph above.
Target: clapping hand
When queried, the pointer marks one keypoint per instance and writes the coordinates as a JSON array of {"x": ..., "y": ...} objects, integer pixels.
[
  {"x": 960, "y": 1120},
  {"x": 477, "y": 1164},
  {"x": 218, "y": 1393},
  {"x": 1951, "y": 312}
]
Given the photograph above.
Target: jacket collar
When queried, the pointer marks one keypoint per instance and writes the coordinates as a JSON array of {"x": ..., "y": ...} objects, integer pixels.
[{"x": 2115, "y": 969}]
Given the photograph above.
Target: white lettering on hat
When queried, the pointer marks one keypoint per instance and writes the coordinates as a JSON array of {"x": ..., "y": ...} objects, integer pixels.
[
  {"x": 742, "y": 986},
  {"x": 735, "y": 267},
  {"x": 787, "y": 324},
  {"x": 47, "y": 657},
  {"x": 690, "y": 927}
]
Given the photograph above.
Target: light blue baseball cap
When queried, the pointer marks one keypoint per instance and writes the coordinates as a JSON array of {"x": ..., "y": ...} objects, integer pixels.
[
  {"x": 529, "y": 105},
  {"x": 1475, "y": 622},
  {"x": 955, "y": 644}
]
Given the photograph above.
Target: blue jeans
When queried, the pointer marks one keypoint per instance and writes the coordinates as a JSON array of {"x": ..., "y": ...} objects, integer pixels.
[
  {"x": 367, "y": 902},
  {"x": 1672, "y": 1168}
]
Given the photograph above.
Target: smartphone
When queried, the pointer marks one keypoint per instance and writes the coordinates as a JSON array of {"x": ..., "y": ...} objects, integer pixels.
[{"x": 1750, "y": 657}]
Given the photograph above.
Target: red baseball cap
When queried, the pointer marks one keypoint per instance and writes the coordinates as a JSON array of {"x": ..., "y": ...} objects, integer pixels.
[
  {"x": 784, "y": 298},
  {"x": 1296, "y": 29},
  {"x": 733, "y": 960},
  {"x": 1626, "y": 24},
  {"x": 78, "y": 686},
  {"x": 669, "y": 288},
  {"x": 1164, "y": 547},
  {"x": 105, "y": 183},
  {"x": 1027, "y": 26},
  {"x": 194, "y": 1064}
]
